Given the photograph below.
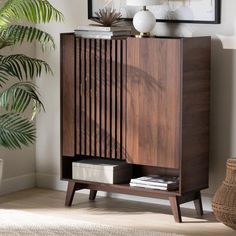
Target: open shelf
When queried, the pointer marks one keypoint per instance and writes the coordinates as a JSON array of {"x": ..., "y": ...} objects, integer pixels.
[{"x": 125, "y": 189}]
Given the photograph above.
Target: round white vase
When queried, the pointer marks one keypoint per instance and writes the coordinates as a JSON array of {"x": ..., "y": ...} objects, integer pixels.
[{"x": 144, "y": 21}]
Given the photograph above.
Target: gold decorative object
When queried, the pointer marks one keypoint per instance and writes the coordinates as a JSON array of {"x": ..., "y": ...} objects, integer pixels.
[
  {"x": 107, "y": 17},
  {"x": 224, "y": 201}
]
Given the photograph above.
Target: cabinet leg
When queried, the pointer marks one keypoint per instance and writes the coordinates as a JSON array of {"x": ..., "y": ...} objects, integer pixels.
[
  {"x": 175, "y": 206},
  {"x": 92, "y": 195},
  {"x": 198, "y": 204},
  {"x": 71, "y": 187}
]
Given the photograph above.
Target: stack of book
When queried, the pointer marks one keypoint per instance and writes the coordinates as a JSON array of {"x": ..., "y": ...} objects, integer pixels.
[
  {"x": 101, "y": 32},
  {"x": 168, "y": 183}
]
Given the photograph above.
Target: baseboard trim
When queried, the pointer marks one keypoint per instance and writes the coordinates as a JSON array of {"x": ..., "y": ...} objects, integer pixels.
[
  {"x": 53, "y": 182},
  {"x": 50, "y": 182},
  {"x": 18, "y": 183}
]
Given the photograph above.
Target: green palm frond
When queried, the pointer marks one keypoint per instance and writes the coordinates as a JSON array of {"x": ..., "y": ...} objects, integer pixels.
[
  {"x": 19, "y": 96},
  {"x": 34, "y": 11},
  {"x": 19, "y": 33},
  {"x": 22, "y": 67},
  {"x": 16, "y": 131},
  {"x": 5, "y": 42},
  {"x": 4, "y": 77}
]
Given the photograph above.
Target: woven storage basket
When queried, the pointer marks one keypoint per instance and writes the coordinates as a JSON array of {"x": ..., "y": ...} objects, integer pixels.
[{"x": 224, "y": 201}]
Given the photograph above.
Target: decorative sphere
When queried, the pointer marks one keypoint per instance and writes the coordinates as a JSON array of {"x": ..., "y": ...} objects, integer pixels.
[{"x": 144, "y": 21}]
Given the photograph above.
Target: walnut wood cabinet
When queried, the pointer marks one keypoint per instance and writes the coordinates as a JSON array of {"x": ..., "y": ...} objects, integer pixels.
[{"x": 145, "y": 101}]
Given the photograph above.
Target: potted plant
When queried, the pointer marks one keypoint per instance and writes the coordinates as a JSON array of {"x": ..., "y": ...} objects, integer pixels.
[{"x": 18, "y": 91}]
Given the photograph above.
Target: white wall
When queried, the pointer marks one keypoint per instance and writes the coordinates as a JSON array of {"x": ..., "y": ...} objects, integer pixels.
[
  {"x": 19, "y": 165},
  {"x": 48, "y": 124},
  {"x": 223, "y": 108}
]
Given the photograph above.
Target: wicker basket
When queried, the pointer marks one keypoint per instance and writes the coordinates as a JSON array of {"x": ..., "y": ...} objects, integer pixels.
[{"x": 224, "y": 201}]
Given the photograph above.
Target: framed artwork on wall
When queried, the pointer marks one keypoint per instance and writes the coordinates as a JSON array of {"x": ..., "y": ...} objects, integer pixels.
[{"x": 173, "y": 11}]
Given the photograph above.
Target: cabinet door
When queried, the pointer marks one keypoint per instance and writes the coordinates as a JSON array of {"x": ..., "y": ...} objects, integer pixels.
[
  {"x": 153, "y": 101},
  {"x": 67, "y": 95},
  {"x": 100, "y": 76}
]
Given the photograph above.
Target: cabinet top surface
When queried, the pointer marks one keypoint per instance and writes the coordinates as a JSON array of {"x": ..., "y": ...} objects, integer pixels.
[{"x": 152, "y": 37}]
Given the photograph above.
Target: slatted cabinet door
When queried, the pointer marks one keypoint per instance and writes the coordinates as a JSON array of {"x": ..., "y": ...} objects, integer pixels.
[
  {"x": 100, "y": 81},
  {"x": 153, "y": 102}
]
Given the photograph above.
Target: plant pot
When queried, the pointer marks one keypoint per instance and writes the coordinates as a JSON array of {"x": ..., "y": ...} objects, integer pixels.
[{"x": 224, "y": 201}]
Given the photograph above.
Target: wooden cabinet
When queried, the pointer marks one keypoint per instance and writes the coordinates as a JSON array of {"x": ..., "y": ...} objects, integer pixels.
[{"x": 144, "y": 101}]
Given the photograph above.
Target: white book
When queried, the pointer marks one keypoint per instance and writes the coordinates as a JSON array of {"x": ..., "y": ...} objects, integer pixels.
[
  {"x": 147, "y": 186},
  {"x": 157, "y": 180},
  {"x": 98, "y": 35},
  {"x": 103, "y": 28},
  {"x": 95, "y": 33}
]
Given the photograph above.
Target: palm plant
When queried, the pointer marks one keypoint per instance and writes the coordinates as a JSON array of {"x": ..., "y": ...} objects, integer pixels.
[{"x": 18, "y": 91}]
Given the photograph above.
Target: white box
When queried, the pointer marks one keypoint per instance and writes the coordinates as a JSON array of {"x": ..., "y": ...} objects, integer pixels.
[{"x": 102, "y": 171}]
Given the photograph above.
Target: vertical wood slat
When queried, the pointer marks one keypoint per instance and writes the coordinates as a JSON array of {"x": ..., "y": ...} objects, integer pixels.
[
  {"x": 68, "y": 94},
  {"x": 111, "y": 98},
  {"x": 98, "y": 87},
  {"x": 89, "y": 136},
  {"x": 87, "y": 99},
  {"x": 93, "y": 97},
  {"x": 123, "y": 100},
  {"x": 102, "y": 102},
  {"x": 82, "y": 89},
  {"x": 114, "y": 78},
  {"x": 78, "y": 95},
  {"x": 105, "y": 99},
  {"x": 100, "y": 127},
  {"x": 108, "y": 96},
  {"x": 118, "y": 100}
]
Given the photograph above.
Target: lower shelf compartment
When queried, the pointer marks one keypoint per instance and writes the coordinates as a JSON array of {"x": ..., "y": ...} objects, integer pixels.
[
  {"x": 125, "y": 189},
  {"x": 175, "y": 198}
]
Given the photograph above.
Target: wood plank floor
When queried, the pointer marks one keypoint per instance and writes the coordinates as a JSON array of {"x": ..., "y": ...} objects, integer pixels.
[{"x": 114, "y": 212}]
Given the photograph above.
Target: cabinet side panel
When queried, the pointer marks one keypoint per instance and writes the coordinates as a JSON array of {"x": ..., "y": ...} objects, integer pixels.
[
  {"x": 68, "y": 94},
  {"x": 196, "y": 109},
  {"x": 153, "y": 102}
]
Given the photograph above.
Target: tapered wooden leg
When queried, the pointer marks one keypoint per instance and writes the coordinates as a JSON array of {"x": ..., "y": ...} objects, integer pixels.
[
  {"x": 71, "y": 187},
  {"x": 92, "y": 195},
  {"x": 175, "y": 206},
  {"x": 198, "y": 204}
]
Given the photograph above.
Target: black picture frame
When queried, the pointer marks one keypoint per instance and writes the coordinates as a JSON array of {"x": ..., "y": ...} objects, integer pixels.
[{"x": 216, "y": 21}]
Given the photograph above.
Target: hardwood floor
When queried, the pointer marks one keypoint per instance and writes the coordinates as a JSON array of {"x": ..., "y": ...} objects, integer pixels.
[{"x": 114, "y": 212}]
